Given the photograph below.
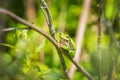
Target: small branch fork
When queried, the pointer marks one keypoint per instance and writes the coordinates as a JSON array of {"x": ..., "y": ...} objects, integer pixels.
[
  {"x": 47, "y": 16},
  {"x": 51, "y": 39}
]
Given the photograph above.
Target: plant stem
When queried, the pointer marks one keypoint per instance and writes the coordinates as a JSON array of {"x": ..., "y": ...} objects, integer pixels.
[{"x": 99, "y": 39}]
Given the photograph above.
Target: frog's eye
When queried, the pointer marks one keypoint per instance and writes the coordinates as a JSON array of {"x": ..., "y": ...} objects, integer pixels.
[
  {"x": 61, "y": 33},
  {"x": 67, "y": 36}
]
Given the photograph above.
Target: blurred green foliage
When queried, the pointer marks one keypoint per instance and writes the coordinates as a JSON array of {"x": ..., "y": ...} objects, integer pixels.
[{"x": 29, "y": 56}]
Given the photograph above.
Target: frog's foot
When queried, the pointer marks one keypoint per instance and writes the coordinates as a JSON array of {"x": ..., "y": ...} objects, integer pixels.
[{"x": 60, "y": 45}]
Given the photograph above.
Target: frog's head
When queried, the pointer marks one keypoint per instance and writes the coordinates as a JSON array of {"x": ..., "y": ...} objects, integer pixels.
[
  {"x": 64, "y": 39},
  {"x": 64, "y": 36}
]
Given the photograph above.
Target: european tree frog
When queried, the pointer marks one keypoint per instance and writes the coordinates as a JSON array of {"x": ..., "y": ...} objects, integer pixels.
[{"x": 67, "y": 44}]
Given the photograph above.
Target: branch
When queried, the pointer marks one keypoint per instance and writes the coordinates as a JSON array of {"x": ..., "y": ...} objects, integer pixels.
[
  {"x": 48, "y": 17},
  {"x": 100, "y": 6},
  {"x": 32, "y": 26},
  {"x": 11, "y": 29}
]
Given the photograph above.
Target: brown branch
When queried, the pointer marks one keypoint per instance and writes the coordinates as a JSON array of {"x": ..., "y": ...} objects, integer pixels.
[
  {"x": 32, "y": 26},
  {"x": 48, "y": 18},
  {"x": 12, "y": 29}
]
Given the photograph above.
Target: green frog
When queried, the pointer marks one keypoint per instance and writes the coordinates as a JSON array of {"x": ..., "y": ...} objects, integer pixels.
[{"x": 67, "y": 44}]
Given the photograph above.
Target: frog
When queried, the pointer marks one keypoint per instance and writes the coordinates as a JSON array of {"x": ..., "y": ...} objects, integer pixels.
[{"x": 67, "y": 44}]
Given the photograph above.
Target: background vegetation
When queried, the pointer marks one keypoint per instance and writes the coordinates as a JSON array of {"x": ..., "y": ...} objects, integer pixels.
[{"x": 27, "y": 55}]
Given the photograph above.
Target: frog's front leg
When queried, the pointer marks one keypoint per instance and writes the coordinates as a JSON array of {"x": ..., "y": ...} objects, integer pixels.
[{"x": 72, "y": 53}]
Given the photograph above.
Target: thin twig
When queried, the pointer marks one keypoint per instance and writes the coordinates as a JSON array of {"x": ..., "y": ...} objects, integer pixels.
[
  {"x": 99, "y": 48},
  {"x": 49, "y": 18},
  {"x": 11, "y": 29},
  {"x": 109, "y": 26},
  {"x": 42, "y": 9},
  {"x": 99, "y": 38},
  {"x": 63, "y": 62}
]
